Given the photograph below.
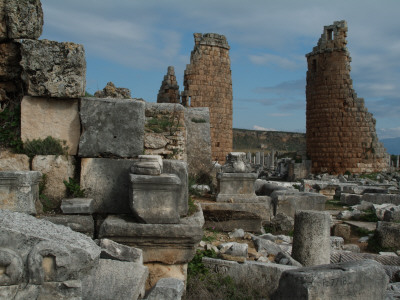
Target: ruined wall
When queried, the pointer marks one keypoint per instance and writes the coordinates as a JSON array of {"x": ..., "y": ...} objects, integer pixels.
[
  {"x": 169, "y": 90},
  {"x": 208, "y": 83},
  {"x": 341, "y": 132}
]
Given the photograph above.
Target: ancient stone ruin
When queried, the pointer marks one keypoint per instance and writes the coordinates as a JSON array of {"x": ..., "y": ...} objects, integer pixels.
[
  {"x": 341, "y": 132},
  {"x": 169, "y": 90},
  {"x": 208, "y": 83}
]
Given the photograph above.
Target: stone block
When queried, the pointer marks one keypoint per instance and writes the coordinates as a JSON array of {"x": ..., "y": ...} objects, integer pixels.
[
  {"x": 13, "y": 162},
  {"x": 153, "y": 199},
  {"x": 388, "y": 234},
  {"x": 266, "y": 247},
  {"x": 229, "y": 216},
  {"x": 114, "y": 279},
  {"x": 364, "y": 279},
  {"x": 53, "y": 69},
  {"x": 77, "y": 206},
  {"x": 158, "y": 271},
  {"x": 57, "y": 168},
  {"x": 111, "y": 127},
  {"x": 21, "y": 19},
  {"x": 165, "y": 243},
  {"x": 392, "y": 215},
  {"x": 19, "y": 191},
  {"x": 350, "y": 199},
  {"x": 311, "y": 237},
  {"x": 106, "y": 180},
  {"x": 82, "y": 224},
  {"x": 342, "y": 230},
  {"x": 236, "y": 187},
  {"x": 59, "y": 118},
  {"x": 115, "y": 251},
  {"x": 289, "y": 201},
  {"x": 148, "y": 165},
  {"x": 167, "y": 289},
  {"x": 382, "y": 198}
]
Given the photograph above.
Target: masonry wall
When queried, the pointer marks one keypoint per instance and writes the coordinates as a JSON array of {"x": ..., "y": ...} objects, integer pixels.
[
  {"x": 208, "y": 83},
  {"x": 341, "y": 132}
]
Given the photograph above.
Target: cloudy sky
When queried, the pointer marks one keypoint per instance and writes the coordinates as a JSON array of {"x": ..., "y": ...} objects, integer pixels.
[{"x": 132, "y": 42}]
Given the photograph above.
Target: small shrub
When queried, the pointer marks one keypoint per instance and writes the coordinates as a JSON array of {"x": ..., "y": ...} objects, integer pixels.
[
  {"x": 196, "y": 266},
  {"x": 74, "y": 189},
  {"x": 10, "y": 130},
  {"x": 195, "y": 120},
  {"x": 192, "y": 206},
  {"x": 48, "y": 146},
  {"x": 297, "y": 186}
]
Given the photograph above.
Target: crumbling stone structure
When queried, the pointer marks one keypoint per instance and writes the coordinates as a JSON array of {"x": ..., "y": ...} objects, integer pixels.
[
  {"x": 208, "y": 83},
  {"x": 341, "y": 132},
  {"x": 169, "y": 90}
]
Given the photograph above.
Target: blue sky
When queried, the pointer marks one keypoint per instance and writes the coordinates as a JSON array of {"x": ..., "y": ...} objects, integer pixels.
[{"x": 132, "y": 42}]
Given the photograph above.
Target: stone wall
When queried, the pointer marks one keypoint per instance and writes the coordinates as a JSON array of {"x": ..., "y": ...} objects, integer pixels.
[
  {"x": 208, "y": 83},
  {"x": 341, "y": 132}
]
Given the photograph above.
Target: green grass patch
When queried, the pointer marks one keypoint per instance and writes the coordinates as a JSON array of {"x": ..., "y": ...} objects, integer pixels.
[
  {"x": 48, "y": 146},
  {"x": 371, "y": 176}
]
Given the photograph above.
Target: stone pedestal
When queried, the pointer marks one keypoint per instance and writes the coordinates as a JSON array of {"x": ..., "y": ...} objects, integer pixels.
[
  {"x": 236, "y": 187},
  {"x": 19, "y": 190}
]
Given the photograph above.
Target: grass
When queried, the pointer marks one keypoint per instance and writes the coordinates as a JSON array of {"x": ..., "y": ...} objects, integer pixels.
[
  {"x": 371, "y": 176},
  {"x": 48, "y": 146},
  {"x": 368, "y": 216},
  {"x": 192, "y": 206}
]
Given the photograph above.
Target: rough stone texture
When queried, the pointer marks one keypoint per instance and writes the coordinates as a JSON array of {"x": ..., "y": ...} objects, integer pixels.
[
  {"x": 261, "y": 276},
  {"x": 197, "y": 120},
  {"x": 341, "y": 133},
  {"x": 234, "y": 249},
  {"x": 288, "y": 201},
  {"x": 10, "y": 70},
  {"x": 169, "y": 90},
  {"x": 311, "y": 242},
  {"x": 229, "y": 216},
  {"x": 350, "y": 199},
  {"x": 114, "y": 279},
  {"x": 208, "y": 83},
  {"x": 82, "y": 224},
  {"x": 111, "y": 127},
  {"x": 388, "y": 234},
  {"x": 282, "y": 222},
  {"x": 382, "y": 198},
  {"x": 236, "y": 187},
  {"x": 115, "y": 251},
  {"x": 236, "y": 162},
  {"x": 165, "y": 243},
  {"x": 13, "y": 162},
  {"x": 342, "y": 230},
  {"x": 353, "y": 280},
  {"x": 59, "y": 118},
  {"x": 106, "y": 180},
  {"x": 21, "y": 19},
  {"x": 110, "y": 91},
  {"x": 57, "y": 168},
  {"x": 392, "y": 215},
  {"x": 159, "y": 271},
  {"x": 168, "y": 289},
  {"x": 77, "y": 206},
  {"x": 345, "y": 256},
  {"x": 19, "y": 191},
  {"x": 53, "y": 69},
  {"x": 153, "y": 199},
  {"x": 165, "y": 130},
  {"x": 266, "y": 247}
]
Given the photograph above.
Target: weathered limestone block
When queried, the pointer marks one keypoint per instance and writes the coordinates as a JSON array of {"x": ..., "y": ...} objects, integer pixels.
[
  {"x": 21, "y": 19},
  {"x": 167, "y": 289},
  {"x": 288, "y": 201},
  {"x": 13, "y": 162},
  {"x": 197, "y": 121},
  {"x": 392, "y": 214},
  {"x": 111, "y": 127},
  {"x": 115, "y": 251},
  {"x": 78, "y": 223},
  {"x": 53, "y": 69},
  {"x": 236, "y": 187},
  {"x": 352, "y": 280},
  {"x": 59, "y": 118},
  {"x": 113, "y": 279},
  {"x": 77, "y": 206},
  {"x": 350, "y": 199},
  {"x": 57, "y": 168},
  {"x": 106, "y": 180},
  {"x": 388, "y": 234},
  {"x": 261, "y": 276},
  {"x": 311, "y": 238},
  {"x": 19, "y": 190},
  {"x": 342, "y": 230},
  {"x": 165, "y": 243},
  {"x": 158, "y": 271},
  {"x": 382, "y": 198}
]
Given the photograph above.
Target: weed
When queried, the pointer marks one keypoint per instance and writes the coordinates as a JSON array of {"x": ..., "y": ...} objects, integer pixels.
[
  {"x": 195, "y": 120},
  {"x": 159, "y": 125},
  {"x": 196, "y": 266},
  {"x": 269, "y": 229},
  {"x": 368, "y": 216},
  {"x": 10, "y": 129},
  {"x": 74, "y": 189},
  {"x": 359, "y": 231},
  {"x": 210, "y": 235},
  {"x": 48, "y": 146},
  {"x": 297, "y": 186},
  {"x": 371, "y": 176},
  {"x": 46, "y": 201},
  {"x": 192, "y": 206}
]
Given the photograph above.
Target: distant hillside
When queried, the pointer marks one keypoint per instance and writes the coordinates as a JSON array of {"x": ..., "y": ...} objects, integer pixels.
[
  {"x": 256, "y": 140},
  {"x": 392, "y": 145}
]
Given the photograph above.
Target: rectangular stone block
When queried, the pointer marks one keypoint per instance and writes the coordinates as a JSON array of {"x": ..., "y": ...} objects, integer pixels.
[
  {"x": 13, "y": 162},
  {"x": 43, "y": 117},
  {"x": 53, "y": 69},
  {"x": 388, "y": 234},
  {"x": 19, "y": 191},
  {"x": 111, "y": 127},
  {"x": 82, "y": 224},
  {"x": 382, "y": 198},
  {"x": 77, "y": 206},
  {"x": 236, "y": 187}
]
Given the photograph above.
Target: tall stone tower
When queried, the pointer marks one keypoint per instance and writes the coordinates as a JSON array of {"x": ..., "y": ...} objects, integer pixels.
[
  {"x": 341, "y": 132},
  {"x": 208, "y": 83},
  {"x": 169, "y": 90}
]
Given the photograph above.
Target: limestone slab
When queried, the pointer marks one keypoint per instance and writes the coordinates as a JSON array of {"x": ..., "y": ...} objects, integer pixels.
[
  {"x": 53, "y": 69},
  {"x": 236, "y": 187},
  {"x": 13, "y": 162},
  {"x": 111, "y": 127},
  {"x": 82, "y": 224},
  {"x": 19, "y": 190},
  {"x": 43, "y": 117}
]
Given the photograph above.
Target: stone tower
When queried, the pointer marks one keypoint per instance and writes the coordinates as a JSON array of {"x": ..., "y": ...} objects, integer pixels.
[
  {"x": 169, "y": 90},
  {"x": 341, "y": 132},
  {"x": 208, "y": 83}
]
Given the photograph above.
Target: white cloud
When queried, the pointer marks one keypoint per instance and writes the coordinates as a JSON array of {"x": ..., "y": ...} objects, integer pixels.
[{"x": 256, "y": 127}]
